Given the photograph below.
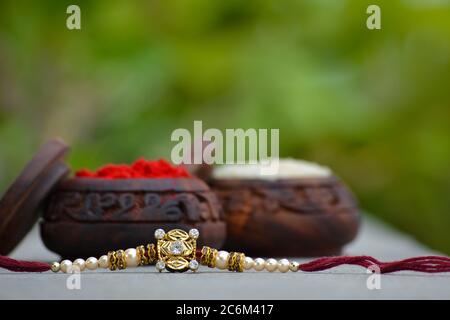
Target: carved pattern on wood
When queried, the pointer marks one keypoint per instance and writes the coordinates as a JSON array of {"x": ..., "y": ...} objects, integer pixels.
[
  {"x": 132, "y": 207},
  {"x": 314, "y": 199}
]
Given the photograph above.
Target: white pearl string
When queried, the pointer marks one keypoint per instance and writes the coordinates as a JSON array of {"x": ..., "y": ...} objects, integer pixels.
[
  {"x": 259, "y": 264},
  {"x": 92, "y": 263}
]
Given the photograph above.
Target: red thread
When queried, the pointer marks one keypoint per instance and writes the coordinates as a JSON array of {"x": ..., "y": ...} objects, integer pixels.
[
  {"x": 140, "y": 169},
  {"x": 428, "y": 264},
  {"x": 23, "y": 266}
]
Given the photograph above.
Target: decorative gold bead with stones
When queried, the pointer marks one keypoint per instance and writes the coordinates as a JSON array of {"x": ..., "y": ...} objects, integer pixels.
[
  {"x": 212, "y": 258},
  {"x": 151, "y": 253},
  {"x": 142, "y": 256},
  {"x": 121, "y": 259},
  {"x": 208, "y": 257},
  {"x": 231, "y": 261},
  {"x": 240, "y": 262},
  {"x": 204, "y": 255},
  {"x": 112, "y": 260},
  {"x": 176, "y": 250},
  {"x": 236, "y": 261}
]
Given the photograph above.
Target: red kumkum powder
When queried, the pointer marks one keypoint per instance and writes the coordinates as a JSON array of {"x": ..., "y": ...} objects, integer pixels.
[{"x": 140, "y": 169}]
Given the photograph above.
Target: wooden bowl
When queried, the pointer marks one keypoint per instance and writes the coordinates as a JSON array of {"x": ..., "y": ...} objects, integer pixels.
[
  {"x": 89, "y": 217},
  {"x": 291, "y": 218}
]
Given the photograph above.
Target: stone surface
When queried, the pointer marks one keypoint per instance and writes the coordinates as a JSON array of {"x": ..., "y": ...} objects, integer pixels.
[
  {"x": 345, "y": 282},
  {"x": 194, "y": 233},
  {"x": 193, "y": 265},
  {"x": 176, "y": 248},
  {"x": 159, "y": 234},
  {"x": 160, "y": 265}
]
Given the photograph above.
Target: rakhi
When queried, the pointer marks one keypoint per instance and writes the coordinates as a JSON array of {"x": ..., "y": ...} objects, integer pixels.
[{"x": 176, "y": 251}]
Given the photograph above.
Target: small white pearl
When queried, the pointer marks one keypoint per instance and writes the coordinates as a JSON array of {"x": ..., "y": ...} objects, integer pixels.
[
  {"x": 193, "y": 265},
  {"x": 92, "y": 263},
  {"x": 293, "y": 266},
  {"x": 259, "y": 264},
  {"x": 103, "y": 262},
  {"x": 80, "y": 264},
  {"x": 55, "y": 266},
  {"x": 160, "y": 265},
  {"x": 248, "y": 263},
  {"x": 66, "y": 266},
  {"x": 271, "y": 265},
  {"x": 159, "y": 234},
  {"x": 283, "y": 265},
  {"x": 222, "y": 260},
  {"x": 194, "y": 233},
  {"x": 131, "y": 258}
]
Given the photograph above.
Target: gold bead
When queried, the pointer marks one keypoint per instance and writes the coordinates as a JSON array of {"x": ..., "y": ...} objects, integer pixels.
[
  {"x": 208, "y": 257},
  {"x": 240, "y": 262},
  {"x": 293, "y": 266},
  {"x": 55, "y": 266},
  {"x": 121, "y": 259},
  {"x": 204, "y": 256},
  {"x": 142, "y": 256},
  {"x": 236, "y": 261},
  {"x": 112, "y": 260},
  {"x": 231, "y": 261},
  {"x": 151, "y": 253}
]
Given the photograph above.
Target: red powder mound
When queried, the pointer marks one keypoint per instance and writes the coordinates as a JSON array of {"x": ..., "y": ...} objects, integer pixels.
[{"x": 140, "y": 169}]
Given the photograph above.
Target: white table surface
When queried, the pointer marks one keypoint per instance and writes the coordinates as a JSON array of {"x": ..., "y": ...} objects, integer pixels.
[{"x": 346, "y": 282}]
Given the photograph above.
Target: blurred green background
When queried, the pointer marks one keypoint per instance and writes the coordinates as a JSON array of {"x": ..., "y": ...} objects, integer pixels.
[{"x": 373, "y": 105}]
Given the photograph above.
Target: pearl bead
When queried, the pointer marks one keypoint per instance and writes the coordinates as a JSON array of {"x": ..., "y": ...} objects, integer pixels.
[
  {"x": 131, "y": 258},
  {"x": 259, "y": 264},
  {"x": 193, "y": 265},
  {"x": 55, "y": 266},
  {"x": 293, "y": 266},
  {"x": 283, "y": 265},
  {"x": 92, "y": 263},
  {"x": 159, "y": 234},
  {"x": 160, "y": 265},
  {"x": 222, "y": 260},
  {"x": 271, "y": 265},
  {"x": 103, "y": 262},
  {"x": 248, "y": 263},
  {"x": 80, "y": 264},
  {"x": 66, "y": 266},
  {"x": 194, "y": 233}
]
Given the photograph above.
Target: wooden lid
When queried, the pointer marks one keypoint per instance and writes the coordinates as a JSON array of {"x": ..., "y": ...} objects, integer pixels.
[{"x": 19, "y": 206}]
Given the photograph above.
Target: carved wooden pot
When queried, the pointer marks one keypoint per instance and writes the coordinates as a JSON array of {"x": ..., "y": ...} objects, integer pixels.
[
  {"x": 89, "y": 217},
  {"x": 298, "y": 217}
]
